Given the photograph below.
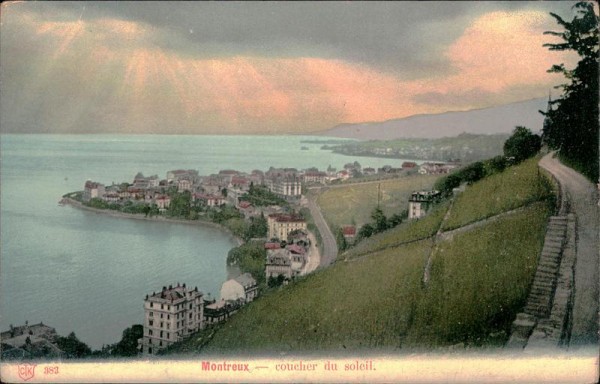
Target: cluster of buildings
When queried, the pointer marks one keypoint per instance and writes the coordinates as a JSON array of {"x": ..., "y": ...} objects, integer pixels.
[
  {"x": 287, "y": 259},
  {"x": 227, "y": 186},
  {"x": 224, "y": 187},
  {"x": 178, "y": 311},
  {"x": 175, "y": 312}
]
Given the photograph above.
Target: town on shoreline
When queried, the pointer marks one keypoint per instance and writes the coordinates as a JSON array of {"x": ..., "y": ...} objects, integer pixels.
[{"x": 266, "y": 213}]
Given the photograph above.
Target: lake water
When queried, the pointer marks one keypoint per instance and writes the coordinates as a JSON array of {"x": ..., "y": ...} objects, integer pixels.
[{"x": 89, "y": 273}]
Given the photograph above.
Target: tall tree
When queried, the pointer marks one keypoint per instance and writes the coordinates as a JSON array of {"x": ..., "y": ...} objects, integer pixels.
[
  {"x": 341, "y": 240},
  {"x": 380, "y": 222},
  {"x": 571, "y": 124},
  {"x": 522, "y": 144}
]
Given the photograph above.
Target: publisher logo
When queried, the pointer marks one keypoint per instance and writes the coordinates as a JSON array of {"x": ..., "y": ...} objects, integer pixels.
[{"x": 26, "y": 371}]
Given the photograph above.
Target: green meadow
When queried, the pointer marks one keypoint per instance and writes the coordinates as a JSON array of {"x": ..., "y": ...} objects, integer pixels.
[{"x": 354, "y": 203}]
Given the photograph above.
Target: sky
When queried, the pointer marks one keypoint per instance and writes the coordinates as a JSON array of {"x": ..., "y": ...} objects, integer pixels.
[{"x": 265, "y": 67}]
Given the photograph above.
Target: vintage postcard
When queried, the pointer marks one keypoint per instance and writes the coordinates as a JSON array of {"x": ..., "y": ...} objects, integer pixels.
[{"x": 299, "y": 191}]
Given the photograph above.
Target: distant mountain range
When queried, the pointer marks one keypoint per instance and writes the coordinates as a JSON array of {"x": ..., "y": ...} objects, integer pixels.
[{"x": 500, "y": 119}]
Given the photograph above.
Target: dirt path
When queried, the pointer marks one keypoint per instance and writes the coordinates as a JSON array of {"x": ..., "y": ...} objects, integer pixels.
[{"x": 583, "y": 199}]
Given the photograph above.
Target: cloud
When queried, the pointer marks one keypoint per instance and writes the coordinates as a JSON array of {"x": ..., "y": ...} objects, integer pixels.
[
  {"x": 108, "y": 75},
  {"x": 76, "y": 69},
  {"x": 499, "y": 54}
]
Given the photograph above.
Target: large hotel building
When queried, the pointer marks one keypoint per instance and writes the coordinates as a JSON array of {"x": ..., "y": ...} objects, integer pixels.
[
  {"x": 280, "y": 225},
  {"x": 171, "y": 315}
]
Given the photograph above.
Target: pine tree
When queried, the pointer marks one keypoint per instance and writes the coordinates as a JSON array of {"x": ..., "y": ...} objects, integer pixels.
[{"x": 571, "y": 124}]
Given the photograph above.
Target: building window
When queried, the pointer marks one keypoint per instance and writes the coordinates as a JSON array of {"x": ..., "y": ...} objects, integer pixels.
[
  {"x": 190, "y": 315},
  {"x": 168, "y": 325},
  {"x": 150, "y": 350},
  {"x": 168, "y": 335},
  {"x": 160, "y": 344},
  {"x": 161, "y": 324},
  {"x": 162, "y": 306},
  {"x": 151, "y": 305},
  {"x": 169, "y": 307},
  {"x": 190, "y": 305},
  {"x": 150, "y": 322},
  {"x": 161, "y": 315},
  {"x": 161, "y": 333},
  {"x": 150, "y": 333},
  {"x": 151, "y": 314}
]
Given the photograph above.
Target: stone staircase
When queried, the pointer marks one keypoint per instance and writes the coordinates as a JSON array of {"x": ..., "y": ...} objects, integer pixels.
[
  {"x": 539, "y": 302},
  {"x": 545, "y": 319}
]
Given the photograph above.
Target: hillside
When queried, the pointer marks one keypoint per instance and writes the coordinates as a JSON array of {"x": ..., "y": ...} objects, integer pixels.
[
  {"x": 374, "y": 296},
  {"x": 353, "y": 203},
  {"x": 467, "y": 147},
  {"x": 500, "y": 119}
]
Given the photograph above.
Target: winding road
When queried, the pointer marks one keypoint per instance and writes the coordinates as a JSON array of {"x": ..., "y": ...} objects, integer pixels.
[
  {"x": 582, "y": 196},
  {"x": 330, "y": 249}
]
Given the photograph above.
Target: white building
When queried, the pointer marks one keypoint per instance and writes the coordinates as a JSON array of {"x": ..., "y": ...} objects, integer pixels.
[
  {"x": 288, "y": 187},
  {"x": 163, "y": 202},
  {"x": 208, "y": 199},
  {"x": 242, "y": 287},
  {"x": 171, "y": 315},
  {"x": 315, "y": 177},
  {"x": 419, "y": 203},
  {"x": 178, "y": 174}
]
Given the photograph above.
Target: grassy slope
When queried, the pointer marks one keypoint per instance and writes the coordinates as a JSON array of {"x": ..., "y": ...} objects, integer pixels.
[
  {"x": 355, "y": 202},
  {"x": 408, "y": 231},
  {"x": 513, "y": 188},
  {"x": 351, "y": 305},
  {"x": 479, "y": 280}
]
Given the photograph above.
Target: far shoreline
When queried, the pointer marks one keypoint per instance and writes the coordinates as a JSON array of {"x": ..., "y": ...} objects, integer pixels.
[{"x": 140, "y": 216}]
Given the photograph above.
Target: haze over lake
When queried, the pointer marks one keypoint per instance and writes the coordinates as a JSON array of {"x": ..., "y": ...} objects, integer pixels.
[{"x": 88, "y": 273}]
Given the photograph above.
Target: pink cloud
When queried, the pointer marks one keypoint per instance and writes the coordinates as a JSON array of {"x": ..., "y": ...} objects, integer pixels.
[
  {"x": 501, "y": 51},
  {"x": 151, "y": 89}
]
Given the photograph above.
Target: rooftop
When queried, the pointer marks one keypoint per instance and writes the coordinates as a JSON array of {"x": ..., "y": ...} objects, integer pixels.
[
  {"x": 246, "y": 280},
  {"x": 349, "y": 230},
  {"x": 278, "y": 258},
  {"x": 424, "y": 195},
  {"x": 172, "y": 293},
  {"x": 285, "y": 217},
  {"x": 296, "y": 249}
]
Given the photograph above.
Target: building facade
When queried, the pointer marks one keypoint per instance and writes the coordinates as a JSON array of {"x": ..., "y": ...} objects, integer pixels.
[
  {"x": 288, "y": 187},
  {"x": 92, "y": 190},
  {"x": 278, "y": 263},
  {"x": 243, "y": 287},
  {"x": 419, "y": 203},
  {"x": 281, "y": 224},
  {"x": 170, "y": 315}
]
